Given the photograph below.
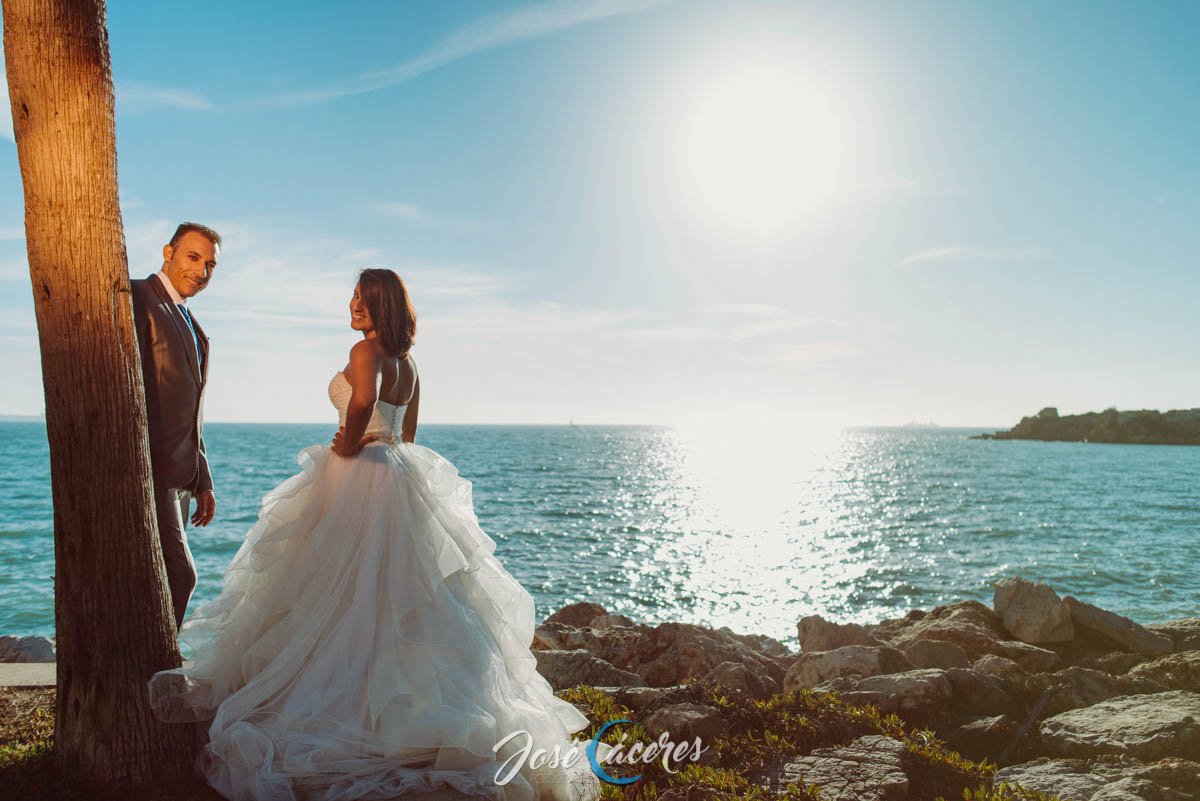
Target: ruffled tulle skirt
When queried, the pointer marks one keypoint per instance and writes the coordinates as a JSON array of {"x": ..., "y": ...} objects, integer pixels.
[{"x": 367, "y": 644}]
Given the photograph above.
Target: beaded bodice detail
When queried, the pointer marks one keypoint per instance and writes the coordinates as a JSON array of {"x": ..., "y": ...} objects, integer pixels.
[{"x": 385, "y": 419}]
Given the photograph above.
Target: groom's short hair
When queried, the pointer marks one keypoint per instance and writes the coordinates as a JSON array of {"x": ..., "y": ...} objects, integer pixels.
[{"x": 188, "y": 227}]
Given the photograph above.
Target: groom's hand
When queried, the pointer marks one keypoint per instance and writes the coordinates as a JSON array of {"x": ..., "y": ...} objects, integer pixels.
[{"x": 206, "y": 508}]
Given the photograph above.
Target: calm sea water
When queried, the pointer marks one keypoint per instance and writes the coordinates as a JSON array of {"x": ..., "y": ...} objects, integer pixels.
[{"x": 752, "y": 533}]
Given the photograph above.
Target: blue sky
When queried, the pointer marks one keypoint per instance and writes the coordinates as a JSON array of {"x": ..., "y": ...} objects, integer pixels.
[{"x": 708, "y": 213}]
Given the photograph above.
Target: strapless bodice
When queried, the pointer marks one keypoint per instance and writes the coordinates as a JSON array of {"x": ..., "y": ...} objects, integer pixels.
[{"x": 385, "y": 419}]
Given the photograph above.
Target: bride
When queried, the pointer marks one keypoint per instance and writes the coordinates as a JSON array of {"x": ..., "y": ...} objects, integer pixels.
[{"x": 366, "y": 642}]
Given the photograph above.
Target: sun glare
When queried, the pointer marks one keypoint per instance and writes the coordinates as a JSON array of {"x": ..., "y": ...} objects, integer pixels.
[{"x": 763, "y": 145}]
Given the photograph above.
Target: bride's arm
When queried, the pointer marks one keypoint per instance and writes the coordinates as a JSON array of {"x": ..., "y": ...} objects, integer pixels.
[
  {"x": 364, "y": 378},
  {"x": 408, "y": 428}
]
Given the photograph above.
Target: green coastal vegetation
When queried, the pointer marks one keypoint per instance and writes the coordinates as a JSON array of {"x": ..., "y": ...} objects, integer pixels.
[{"x": 1143, "y": 427}]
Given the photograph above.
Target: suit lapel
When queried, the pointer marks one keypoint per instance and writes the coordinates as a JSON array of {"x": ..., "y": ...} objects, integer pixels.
[
  {"x": 181, "y": 328},
  {"x": 200, "y": 335}
]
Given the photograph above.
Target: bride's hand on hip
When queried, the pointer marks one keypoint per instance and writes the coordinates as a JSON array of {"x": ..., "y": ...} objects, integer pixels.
[{"x": 340, "y": 447}]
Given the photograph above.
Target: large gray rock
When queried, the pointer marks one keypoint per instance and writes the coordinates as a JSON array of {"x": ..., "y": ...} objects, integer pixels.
[
  {"x": 1032, "y": 611},
  {"x": 916, "y": 694},
  {"x": 1184, "y": 633},
  {"x": 1030, "y": 657},
  {"x": 1001, "y": 668},
  {"x": 818, "y": 634},
  {"x": 1106, "y": 779},
  {"x": 936, "y": 654},
  {"x": 565, "y": 669},
  {"x": 578, "y": 615},
  {"x": 813, "y": 667},
  {"x": 1118, "y": 629},
  {"x": 968, "y": 624},
  {"x": 736, "y": 676},
  {"x": 976, "y": 693},
  {"x": 1131, "y": 789},
  {"x": 1146, "y": 727},
  {"x": 984, "y": 737},
  {"x": 674, "y": 652},
  {"x": 1174, "y": 671},
  {"x": 869, "y": 769},
  {"x": 1084, "y": 687},
  {"x": 1070, "y": 779},
  {"x": 687, "y": 721},
  {"x": 26, "y": 649}
]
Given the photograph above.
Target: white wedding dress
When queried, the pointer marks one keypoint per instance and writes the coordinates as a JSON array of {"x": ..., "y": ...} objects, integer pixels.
[{"x": 367, "y": 643}]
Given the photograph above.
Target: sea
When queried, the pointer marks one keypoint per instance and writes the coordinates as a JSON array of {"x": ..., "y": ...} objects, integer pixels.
[{"x": 716, "y": 528}]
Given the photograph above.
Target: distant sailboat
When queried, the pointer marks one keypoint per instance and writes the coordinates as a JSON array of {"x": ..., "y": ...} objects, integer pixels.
[{"x": 572, "y": 423}]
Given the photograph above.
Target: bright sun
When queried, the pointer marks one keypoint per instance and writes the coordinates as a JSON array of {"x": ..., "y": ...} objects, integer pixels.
[{"x": 762, "y": 146}]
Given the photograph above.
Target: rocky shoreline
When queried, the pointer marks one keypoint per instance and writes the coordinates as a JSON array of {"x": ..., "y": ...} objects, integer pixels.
[
  {"x": 1063, "y": 697},
  {"x": 1144, "y": 427}
]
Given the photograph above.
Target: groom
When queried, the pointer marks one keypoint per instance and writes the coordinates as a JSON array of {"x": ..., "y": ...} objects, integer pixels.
[{"x": 174, "y": 370}]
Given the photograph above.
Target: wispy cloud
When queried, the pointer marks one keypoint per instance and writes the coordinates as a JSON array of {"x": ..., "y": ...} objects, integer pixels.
[
  {"x": 953, "y": 253},
  {"x": 6, "y": 129},
  {"x": 134, "y": 97},
  {"x": 418, "y": 215},
  {"x": 487, "y": 33},
  {"x": 12, "y": 234}
]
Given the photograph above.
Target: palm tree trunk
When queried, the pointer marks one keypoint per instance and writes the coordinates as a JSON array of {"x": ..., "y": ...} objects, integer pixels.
[{"x": 112, "y": 610}]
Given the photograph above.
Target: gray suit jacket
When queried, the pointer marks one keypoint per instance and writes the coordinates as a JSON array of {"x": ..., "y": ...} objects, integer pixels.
[{"x": 174, "y": 387}]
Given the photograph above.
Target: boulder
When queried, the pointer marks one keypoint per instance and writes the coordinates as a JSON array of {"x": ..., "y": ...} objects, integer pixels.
[
  {"x": 1118, "y": 629},
  {"x": 916, "y": 694},
  {"x": 26, "y": 649},
  {"x": 1001, "y": 668},
  {"x": 984, "y": 737},
  {"x": 1184, "y": 633},
  {"x": 1173, "y": 671},
  {"x": 673, "y": 652},
  {"x": 1032, "y": 611},
  {"x": 578, "y": 614},
  {"x": 1030, "y": 657},
  {"x": 813, "y": 667},
  {"x": 869, "y": 769},
  {"x": 968, "y": 624},
  {"x": 736, "y": 676},
  {"x": 936, "y": 654},
  {"x": 818, "y": 634},
  {"x": 976, "y": 693},
  {"x": 1146, "y": 727},
  {"x": 1085, "y": 687},
  {"x": 1069, "y": 779},
  {"x": 1107, "y": 778},
  {"x": 1131, "y": 789},
  {"x": 1117, "y": 663},
  {"x": 759, "y": 642},
  {"x": 608, "y": 621},
  {"x": 565, "y": 669},
  {"x": 686, "y": 722}
]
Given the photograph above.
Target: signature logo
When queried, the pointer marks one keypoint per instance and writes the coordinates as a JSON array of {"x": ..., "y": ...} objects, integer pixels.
[{"x": 598, "y": 754}]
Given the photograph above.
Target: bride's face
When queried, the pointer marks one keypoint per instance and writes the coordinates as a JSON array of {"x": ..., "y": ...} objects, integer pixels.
[{"x": 360, "y": 318}]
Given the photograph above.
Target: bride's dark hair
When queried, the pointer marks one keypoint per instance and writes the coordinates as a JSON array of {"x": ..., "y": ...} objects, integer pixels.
[{"x": 386, "y": 299}]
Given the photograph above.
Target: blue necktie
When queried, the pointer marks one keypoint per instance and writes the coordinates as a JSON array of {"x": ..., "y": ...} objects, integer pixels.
[{"x": 195, "y": 339}]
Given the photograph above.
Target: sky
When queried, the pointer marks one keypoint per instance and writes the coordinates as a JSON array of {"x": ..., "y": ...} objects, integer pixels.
[{"x": 722, "y": 214}]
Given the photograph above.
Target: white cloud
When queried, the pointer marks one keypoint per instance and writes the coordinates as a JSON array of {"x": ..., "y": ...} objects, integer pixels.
[
  {"x": 134, "y": 97},
  {"x": 487, "y": 33},
  {"x": 412, "y": 213},
  {"x": 952, "y": 253},
  {"x": 6, "y": 128}
]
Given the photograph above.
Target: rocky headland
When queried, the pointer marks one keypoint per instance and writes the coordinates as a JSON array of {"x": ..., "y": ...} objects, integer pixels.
[
  {"x": 1037, "y": 696},
  {"x": 1145, "y": 427}
]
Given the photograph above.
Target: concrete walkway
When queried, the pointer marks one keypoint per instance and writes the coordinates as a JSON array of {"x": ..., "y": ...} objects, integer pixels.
[{"x": 33, "y": 674}]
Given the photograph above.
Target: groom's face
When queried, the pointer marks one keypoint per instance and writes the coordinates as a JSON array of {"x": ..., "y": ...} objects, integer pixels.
[{"x": 190, "y": 264}]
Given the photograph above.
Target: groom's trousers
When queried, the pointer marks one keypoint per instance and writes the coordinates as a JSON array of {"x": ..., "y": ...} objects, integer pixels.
[{"x": 172, "y": 506}]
